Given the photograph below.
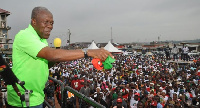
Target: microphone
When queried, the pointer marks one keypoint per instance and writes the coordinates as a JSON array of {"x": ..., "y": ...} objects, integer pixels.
[
  {"x": 6, "y": 73},
  {"x": 10, "y": 79}
]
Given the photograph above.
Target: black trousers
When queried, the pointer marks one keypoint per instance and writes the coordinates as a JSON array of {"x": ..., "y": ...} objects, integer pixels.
[{"x": 185, "y": 57}]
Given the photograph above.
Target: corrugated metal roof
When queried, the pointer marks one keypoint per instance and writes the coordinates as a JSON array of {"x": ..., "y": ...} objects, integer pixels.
[{"x": 2, "y": 11}]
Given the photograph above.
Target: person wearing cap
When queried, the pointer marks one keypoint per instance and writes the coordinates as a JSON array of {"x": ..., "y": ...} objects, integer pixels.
[
  {"x": 119, "y": 103},
  {"x": 153, "y": 102},
  {"x": 171, "y": 90},
  {"x": 108, "y": 99},
  {"x": 114, "y": 103},
  {"x": 49, "y": 92},
  {"x": 75, "y": 84},
  {"x": 175, "y": 97},
  {"x": 148, "y": 88},
  {"x": 134, "y": 100},
  {"x": 82, "y": 81},
  {"x": 116, "y": 92},
  {"x": 98, "y": 97},
  {"x": 159, "y": 105},
  {"x": 86, "y": 91},
  {"x": 163, "y": 97}
]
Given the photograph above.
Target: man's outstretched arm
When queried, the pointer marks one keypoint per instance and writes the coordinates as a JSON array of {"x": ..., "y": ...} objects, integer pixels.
[{"x": 61, "y": 55}]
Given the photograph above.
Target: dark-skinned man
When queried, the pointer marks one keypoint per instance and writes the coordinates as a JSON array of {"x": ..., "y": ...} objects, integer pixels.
[{"x": 31, "y": 56}]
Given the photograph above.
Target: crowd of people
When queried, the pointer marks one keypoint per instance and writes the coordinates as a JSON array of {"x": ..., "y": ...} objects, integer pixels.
[{"x": 135, "y": 81}]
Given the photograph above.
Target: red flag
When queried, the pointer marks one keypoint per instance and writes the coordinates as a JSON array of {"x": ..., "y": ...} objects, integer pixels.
[{"x": 97, "y": 64}]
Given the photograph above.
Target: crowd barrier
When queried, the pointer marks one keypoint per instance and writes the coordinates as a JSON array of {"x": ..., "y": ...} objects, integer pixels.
[{"x": 76, "y": 93}]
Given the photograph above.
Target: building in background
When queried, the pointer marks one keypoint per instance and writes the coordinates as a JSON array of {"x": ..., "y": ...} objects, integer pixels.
[{"x": 4, "y": 38}]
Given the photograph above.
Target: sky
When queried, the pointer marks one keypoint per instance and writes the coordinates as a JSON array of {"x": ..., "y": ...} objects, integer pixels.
[{"x": 123, "y": 20}]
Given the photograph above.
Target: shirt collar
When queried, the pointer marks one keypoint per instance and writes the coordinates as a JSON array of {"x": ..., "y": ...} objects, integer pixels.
[{"x": 30, "y": 27}]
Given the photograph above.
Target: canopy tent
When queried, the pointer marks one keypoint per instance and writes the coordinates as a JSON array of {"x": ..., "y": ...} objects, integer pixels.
[
  {"x": 109, "y": 47},
  {"x": 93, "y": 46},
  {"x": 149, "y": 53}
]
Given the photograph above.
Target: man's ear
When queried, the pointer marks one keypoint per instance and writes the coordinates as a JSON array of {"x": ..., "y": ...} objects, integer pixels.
[{"x": 33, "y": 21}]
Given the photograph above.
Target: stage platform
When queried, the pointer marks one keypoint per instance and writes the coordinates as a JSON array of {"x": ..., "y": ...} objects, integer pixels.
[{"x": 180, "y": 61}]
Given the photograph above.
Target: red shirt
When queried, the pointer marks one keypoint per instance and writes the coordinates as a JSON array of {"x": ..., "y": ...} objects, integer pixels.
[
  {"x": 148, "y": 89},
  {"x": 154, "y": 103},
  {"x": 75, "y": 84},
  {"x": 58, "y": 90}
]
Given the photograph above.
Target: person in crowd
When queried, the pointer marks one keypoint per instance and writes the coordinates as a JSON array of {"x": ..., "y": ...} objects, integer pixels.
[
  {"x": 86, "y": 91},
  {"x": 123, "y": 103},
  {"x": 185, "y": 53},
  {"x": 167, "y": 52},
  {"x": 98, "y": 97},
  {"x": 56, "y": 75},
  {"x": 31, "y": 56},
  {"x": 119, "y": 103},
  {"x": 134, "y": 99},
  {"x": 3, "y": 95},
  {"x": 175, "y": 51},
  {"x": 49, "y": 92},
  {"x": 159, "y": 105},
  {"x": 58, "y": 93},
  {"x": 75, "y": 84},
  {"x": 182, "y": 54}
]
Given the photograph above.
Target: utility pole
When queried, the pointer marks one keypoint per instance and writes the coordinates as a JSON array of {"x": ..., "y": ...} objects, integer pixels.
[
  {"x": 69, "y": 36},
  {"x": 111, "y": 36},
  {"x": 159, "y": 39}
]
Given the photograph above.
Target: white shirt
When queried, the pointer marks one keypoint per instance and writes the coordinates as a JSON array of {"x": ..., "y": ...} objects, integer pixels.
[
  {"x": 52, "y": 70},
  {"x": 133, "y": 102},
  {"x": 171, "y": 93},
  {"x": 174, "y": 50},
  {"x": 185, "y": 50}
]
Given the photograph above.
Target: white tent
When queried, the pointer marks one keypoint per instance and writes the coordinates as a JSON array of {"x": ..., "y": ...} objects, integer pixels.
[
  {"x": 149, "y": 53},
  {"x": 93, "y": 46},
  {"x": 109, "y": 47}
]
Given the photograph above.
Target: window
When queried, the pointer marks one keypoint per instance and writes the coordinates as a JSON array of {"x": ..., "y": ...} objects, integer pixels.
[
  {"x": 3, "y": 17},
  {"x": 3, "y": 24}
]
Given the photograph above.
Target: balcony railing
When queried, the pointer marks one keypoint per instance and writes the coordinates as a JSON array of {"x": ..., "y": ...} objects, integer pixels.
[{"x": 76, "y": 93}]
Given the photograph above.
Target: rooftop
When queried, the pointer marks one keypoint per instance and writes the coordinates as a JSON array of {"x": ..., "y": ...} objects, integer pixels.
[{"x": 2, "y": 11}]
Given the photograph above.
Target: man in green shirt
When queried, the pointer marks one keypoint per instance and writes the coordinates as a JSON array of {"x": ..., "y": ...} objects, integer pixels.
[{"x": 31, "y": 56}]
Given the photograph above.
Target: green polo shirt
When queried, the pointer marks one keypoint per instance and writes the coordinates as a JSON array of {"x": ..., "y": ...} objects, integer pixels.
[{"x": 28, "y": 67}]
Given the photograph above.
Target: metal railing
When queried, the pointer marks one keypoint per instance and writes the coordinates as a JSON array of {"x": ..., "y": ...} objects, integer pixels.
[
  {"x": 76, "y": 93},
  {"x": 64, "y": 95}
]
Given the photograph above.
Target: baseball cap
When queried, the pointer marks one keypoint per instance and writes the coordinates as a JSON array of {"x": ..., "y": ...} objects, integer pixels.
[
  {"x": 137, "y": 94},
  {"x": 119, "y": 100},
  {"x": 81, "y": 80},
  {"x": 51, "y": 81}
]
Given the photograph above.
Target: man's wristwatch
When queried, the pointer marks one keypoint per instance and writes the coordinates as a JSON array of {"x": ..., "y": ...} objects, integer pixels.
[{"x": 85, "y": 52}]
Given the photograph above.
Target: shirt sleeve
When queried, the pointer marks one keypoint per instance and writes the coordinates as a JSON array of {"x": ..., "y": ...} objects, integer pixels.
[{"x": 29, "y": 43}]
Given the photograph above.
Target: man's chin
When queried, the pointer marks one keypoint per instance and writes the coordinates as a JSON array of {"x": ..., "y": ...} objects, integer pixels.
[{"x": 46, "y": 37}]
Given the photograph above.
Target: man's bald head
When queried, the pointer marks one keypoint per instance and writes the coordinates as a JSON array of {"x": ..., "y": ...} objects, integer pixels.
[{"x": 36, "y": 11}]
